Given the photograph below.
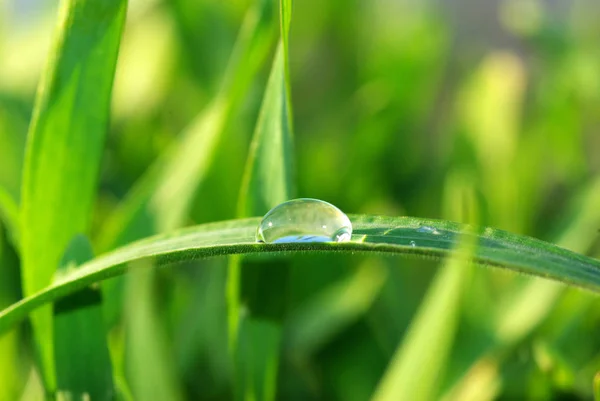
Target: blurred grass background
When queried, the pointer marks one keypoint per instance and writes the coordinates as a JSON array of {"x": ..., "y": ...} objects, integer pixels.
[{"x": 400, "y": 108}]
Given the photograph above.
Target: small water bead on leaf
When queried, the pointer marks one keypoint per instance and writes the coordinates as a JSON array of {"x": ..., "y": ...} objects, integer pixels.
[
  {"x": 304, "y": 220},
  {"x": 428, "y": 229}
]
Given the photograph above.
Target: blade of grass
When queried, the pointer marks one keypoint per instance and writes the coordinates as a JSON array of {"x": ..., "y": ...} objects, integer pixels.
[
  {"x": 64, "y": 147},
  {"x": 268, "y": 176},
  {"x": 266, "y": 183},
  {"x": 82, "y": 362},
  {"x": 267, "y": 180},
  {"x": 496, "y": 248}
]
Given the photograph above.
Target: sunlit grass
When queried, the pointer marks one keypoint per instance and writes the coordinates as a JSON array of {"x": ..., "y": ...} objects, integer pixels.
[{"x": 395, "y": 112}]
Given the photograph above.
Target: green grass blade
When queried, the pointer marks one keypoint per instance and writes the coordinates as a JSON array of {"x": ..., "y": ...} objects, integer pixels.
[
  {"x": 268, "y": 176},
  {"x": 267, "y": 180},
  {"x": 64, "y": 146},
  {"x": 82, "y": 362},
  {"x": 378, "y": 234},
  {"x": 266, "y": 183}
]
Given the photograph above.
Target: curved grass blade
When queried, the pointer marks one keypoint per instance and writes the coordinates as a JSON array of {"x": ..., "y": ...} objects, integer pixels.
[
  {"x": 433, "y": 239},
  {"x": 65, "y": 145}
]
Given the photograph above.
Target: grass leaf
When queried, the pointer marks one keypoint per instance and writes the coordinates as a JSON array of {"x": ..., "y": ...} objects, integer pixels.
[
  {"x": 268, "y": 176},
  {"x": 64, "y": 146},
  {"x": 379, "y": 234},
  {"x": 267, "y": 182}
]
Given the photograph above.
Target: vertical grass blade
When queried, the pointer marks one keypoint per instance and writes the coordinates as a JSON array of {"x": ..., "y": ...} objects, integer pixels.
[
  {"x": 64, "y": 147},
  {"x": 268, "y": 176},
  {"x": 82, "y": 362},
  {"x": 267, "y": 182}
]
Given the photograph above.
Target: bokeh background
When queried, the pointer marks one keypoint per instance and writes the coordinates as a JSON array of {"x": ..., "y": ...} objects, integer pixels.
[{"x": 399, "y": 107}]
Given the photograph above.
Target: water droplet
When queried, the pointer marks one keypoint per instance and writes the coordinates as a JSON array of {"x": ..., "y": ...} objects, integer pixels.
[
  {"x": 428, "y": 230},
  {"x": 413, "y": 243},
  {"x": 304, "y": 220}
]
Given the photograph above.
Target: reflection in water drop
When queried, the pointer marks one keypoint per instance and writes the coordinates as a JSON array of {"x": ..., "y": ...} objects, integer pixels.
[
  {"x": 428, "y": 229},
  {"x": 304, "y": 220}
]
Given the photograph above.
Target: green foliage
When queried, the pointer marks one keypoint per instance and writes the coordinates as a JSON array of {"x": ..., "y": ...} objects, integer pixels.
[
  {"x": 371, "y": 234},
  {"x": 398, "y": 110}
]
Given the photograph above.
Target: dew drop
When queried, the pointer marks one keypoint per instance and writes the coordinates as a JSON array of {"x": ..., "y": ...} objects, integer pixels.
[
  {"x": 304, "y": 220},
  {"x": 413, "y": 244},
  {"x": 428, "y": 230}
]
